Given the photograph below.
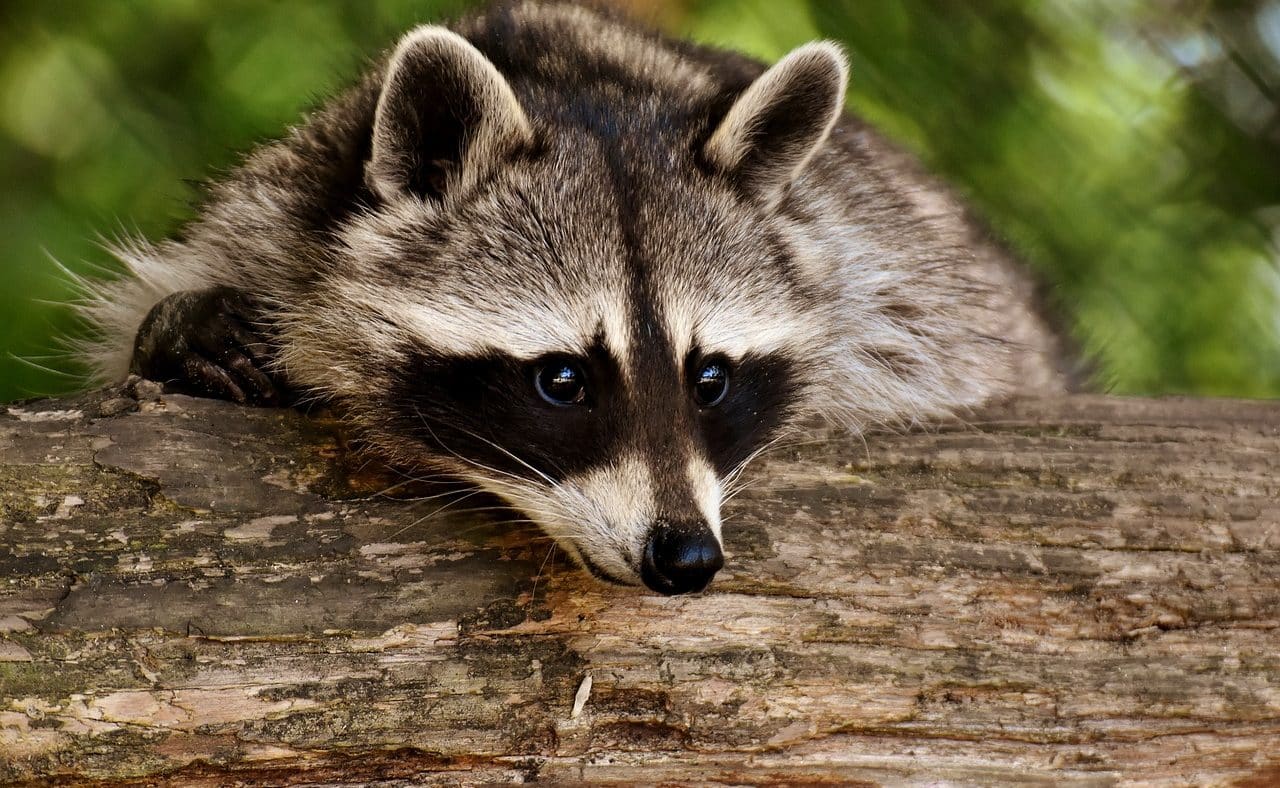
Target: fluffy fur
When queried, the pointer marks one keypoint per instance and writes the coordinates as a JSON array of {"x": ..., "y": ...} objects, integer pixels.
[{"x": 598, "y": 191}]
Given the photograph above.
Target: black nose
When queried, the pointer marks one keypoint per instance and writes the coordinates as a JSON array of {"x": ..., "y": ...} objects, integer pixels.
[{"x": 680, "y": 558}]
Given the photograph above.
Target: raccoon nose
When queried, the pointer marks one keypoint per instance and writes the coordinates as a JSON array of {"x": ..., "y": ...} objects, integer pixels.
[{"x": 680, "y": 558}]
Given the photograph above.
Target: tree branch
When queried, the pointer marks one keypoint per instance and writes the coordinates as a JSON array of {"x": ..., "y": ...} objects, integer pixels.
[{"x": 1079, "y": 590}]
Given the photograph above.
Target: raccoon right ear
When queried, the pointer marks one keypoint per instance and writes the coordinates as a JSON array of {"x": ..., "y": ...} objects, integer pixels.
[
  {"x": 446, "y": 115},
  {"x": 776, "y": 125}
]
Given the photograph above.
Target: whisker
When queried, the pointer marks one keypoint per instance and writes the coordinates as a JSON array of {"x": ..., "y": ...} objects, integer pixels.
[
  {"x": 533, "y": 593},
  {"x": 435, "y": 512},
  {"x": 459, "y": 457}
]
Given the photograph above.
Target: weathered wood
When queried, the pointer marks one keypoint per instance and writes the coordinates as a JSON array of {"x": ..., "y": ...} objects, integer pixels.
[{"x": 1084, "y": 590}]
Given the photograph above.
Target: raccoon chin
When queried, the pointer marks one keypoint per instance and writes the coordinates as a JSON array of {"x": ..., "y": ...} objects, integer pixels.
[{"x": 599, "y": 572}]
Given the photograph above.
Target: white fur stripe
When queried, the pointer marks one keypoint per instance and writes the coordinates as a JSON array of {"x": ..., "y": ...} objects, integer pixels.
[
  {"x": 706, "y": 492},
  {"x": 481, "y": 322}
]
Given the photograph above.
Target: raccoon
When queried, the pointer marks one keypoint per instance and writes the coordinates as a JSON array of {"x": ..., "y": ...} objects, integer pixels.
[{"x": 585, "y": 267}]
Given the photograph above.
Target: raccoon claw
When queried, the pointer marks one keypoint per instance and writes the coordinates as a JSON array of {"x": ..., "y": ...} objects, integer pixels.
[
  {"x": 209, "y": 379},
  {"x": 204, "y": 342},
  {"x": 261, "y": 387}
]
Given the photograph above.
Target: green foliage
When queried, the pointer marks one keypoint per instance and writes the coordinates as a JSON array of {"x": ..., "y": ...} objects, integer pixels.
[
  {"x": 1118, "y": 151},
  {"x": 1145, "y": 205},
  {"x": 110, "y": 113}
]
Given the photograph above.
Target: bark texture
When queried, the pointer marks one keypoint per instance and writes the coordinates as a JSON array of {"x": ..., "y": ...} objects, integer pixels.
[{"x": 1078, "y": 591}]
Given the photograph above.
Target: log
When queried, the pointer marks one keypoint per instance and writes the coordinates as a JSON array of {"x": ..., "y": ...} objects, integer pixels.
[{"x": 1073, "y": 591}]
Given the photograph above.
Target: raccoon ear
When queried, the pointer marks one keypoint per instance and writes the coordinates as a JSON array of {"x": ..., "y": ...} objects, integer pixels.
[
  {"x": 776, "y": 124},
  {"x": 445, "y": 116}
]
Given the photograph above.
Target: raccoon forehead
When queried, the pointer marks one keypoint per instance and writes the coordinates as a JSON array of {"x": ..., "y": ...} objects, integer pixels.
[
  {"x": 739, "y": 324},
  {"x": 738, "y": 296},
  {"x": 475, "y": 321}
]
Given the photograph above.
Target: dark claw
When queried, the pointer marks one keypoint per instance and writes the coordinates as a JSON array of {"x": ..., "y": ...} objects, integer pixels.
[
  {"x": 207, "y": 378},
  {"x": 209, "y": 343},
  {"x": 258, "y": 387}
]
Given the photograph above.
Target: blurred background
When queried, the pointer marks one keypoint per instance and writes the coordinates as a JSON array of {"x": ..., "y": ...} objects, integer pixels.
[{"x": 1129, "y": 151}]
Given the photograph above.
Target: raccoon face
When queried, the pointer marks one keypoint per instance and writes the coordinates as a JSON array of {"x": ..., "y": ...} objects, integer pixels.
[{"x": 599, "y": 331}]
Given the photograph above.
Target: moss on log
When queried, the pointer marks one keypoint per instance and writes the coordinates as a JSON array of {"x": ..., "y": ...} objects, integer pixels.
[{"x": 1084, "y": 590}]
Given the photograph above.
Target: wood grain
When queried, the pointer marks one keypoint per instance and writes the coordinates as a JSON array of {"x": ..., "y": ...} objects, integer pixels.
[{"x": 1077, "y": 591}]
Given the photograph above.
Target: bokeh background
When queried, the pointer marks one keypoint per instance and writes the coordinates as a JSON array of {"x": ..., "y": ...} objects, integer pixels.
[{"x": 1128, "y": 150}]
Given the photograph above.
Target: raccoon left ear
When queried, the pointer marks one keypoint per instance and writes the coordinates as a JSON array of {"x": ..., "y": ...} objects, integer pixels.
[
  {"x": 778, "y": 123},
  {"x": 445, "y": 116}
]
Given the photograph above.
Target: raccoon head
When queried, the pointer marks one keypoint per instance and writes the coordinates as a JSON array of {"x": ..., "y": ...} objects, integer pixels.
[{"x": 578, "y": 305}]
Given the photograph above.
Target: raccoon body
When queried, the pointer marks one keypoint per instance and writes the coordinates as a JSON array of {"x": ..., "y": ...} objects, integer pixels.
[{"x": 587, "y": 268}]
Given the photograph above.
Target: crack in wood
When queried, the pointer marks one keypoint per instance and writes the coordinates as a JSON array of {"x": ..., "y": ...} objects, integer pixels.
[{"x": 1080, "y": 591}]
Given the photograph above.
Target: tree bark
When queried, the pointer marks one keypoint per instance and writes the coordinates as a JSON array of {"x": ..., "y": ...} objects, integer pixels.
[{"x": 1083, "y": 590}]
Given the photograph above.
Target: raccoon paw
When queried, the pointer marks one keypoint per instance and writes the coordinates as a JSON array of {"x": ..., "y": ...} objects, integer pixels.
[{"x": 207, "y": 343}]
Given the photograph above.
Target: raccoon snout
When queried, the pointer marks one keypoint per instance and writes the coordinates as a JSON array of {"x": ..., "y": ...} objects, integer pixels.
[{"x": 680, "y": 558}]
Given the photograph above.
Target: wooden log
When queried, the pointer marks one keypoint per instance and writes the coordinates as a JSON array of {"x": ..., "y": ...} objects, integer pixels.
[{"x": 1080, "y": 591}]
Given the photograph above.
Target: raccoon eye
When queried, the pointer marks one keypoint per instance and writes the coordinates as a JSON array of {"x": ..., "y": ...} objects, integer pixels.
[
  {"x": 711, "y": 383},
  {"x": 561, "y": 383}
]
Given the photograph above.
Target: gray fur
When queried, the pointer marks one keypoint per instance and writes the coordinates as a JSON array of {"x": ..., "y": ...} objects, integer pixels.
[{"x": 592, "y": 139}]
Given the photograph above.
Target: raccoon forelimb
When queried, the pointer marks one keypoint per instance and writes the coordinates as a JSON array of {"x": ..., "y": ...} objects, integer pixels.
[{"x": 209, "y": 342}]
